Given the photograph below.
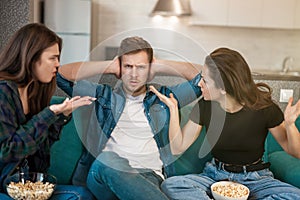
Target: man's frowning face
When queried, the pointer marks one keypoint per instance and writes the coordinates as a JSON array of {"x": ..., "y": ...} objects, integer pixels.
[{"x": 135, "y": 69}]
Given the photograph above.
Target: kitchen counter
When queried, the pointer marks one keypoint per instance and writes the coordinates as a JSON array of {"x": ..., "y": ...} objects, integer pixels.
[
  {"x": 274, "y": 75},
  {"x": 278, "y": 82}
]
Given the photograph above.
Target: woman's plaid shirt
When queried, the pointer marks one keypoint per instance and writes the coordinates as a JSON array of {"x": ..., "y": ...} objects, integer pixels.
[{"x": 21, "y": 137}]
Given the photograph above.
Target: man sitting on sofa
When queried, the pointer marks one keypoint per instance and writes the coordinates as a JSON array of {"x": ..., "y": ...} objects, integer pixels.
[{"x": 131, "y": 127}]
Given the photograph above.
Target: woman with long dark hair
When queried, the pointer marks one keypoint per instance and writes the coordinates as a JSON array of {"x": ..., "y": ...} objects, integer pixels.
[
  {"x": 29, "y": 125},
  {"x": 237, "y": 114}
]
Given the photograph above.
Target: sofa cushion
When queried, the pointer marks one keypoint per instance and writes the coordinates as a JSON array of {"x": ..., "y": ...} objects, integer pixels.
[
  {"x": 191, "y": 161},
  {"x": 271, "y": 145},
  {"x": 285, "y": 167},
  {"x": 65, "y": 153}
]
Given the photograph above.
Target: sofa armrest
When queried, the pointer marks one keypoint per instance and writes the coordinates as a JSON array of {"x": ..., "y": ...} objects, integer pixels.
[
  {"x": 285, "y": 167},
  {"x": 271, "y": 145}
]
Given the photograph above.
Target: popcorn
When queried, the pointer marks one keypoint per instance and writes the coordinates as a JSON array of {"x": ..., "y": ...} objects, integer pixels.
[
  {"x": 232, "y": 190},
  {"x": 30, "y": 190}
]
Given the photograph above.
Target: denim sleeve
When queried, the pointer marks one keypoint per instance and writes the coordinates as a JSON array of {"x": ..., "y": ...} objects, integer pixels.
[
  {"x": 78, "y": 88},
  {"x": 64, "y": 84},
  {"x": 188, "y": 91}
]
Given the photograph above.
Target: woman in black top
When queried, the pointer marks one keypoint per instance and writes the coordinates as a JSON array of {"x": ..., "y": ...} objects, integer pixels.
[{"x": 237, "y": 114}]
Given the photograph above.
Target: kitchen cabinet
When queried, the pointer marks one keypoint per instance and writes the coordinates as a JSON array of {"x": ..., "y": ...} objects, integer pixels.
[
  {"x": 278, "y": 13},
  {"x": 244, "y": 13},
  {"x": 282, "y": 14},
  {"x": 297, "y": 15},
  {"x": 209, "y": 12}
]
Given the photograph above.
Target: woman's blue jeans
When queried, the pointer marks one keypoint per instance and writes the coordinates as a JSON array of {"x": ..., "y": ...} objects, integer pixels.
[
  {"x": 261, "y": 183},
  {"x": 111, "y": 177},
  {"x": 64, "y": 192}
]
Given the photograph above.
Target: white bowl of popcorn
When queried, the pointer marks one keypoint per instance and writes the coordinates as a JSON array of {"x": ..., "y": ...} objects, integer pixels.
[
  {"x": 30, "y": 186},
  {"x": 228, "y": 190}
]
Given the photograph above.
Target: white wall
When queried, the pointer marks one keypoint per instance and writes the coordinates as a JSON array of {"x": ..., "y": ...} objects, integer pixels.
[{"x": 174, "y": 38}]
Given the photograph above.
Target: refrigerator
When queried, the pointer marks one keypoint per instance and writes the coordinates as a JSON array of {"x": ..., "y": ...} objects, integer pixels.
[{"x": 71, "y": 20}]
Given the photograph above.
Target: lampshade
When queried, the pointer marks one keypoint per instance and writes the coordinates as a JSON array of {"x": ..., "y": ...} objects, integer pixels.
[{"x": 172, "y": 8}]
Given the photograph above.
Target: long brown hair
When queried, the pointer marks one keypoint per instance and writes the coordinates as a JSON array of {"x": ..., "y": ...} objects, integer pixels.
[
  {"x": 18, "y": 58},
  {"x": 232, "y": 73}
]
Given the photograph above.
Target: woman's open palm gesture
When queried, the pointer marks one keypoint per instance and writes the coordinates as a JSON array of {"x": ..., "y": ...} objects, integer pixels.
[
  {"x": 171, "y": 102},
  {"x": 69, "y": 105},
  {"x": 291, "y": 112}
]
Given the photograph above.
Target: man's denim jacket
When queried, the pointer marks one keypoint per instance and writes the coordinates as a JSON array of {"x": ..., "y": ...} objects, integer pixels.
[{"x": 95, "y": 123}]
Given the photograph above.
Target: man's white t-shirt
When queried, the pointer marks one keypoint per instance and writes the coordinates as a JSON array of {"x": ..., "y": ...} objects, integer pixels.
[{"x": 133, "y": 139}]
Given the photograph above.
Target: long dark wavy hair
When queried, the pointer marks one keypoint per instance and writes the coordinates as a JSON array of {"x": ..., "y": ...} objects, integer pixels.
[
  {"x": 232, "y": 73},
  {"x": 18, "y": 58}
]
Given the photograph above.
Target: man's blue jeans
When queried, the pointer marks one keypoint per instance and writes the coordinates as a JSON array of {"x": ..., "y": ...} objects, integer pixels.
[
  {"x": 111, "y": 177},
  {"x": 261, "y": 183},
  {"x": 70, "y": 192},
  {"x": 64, "y": 192}
]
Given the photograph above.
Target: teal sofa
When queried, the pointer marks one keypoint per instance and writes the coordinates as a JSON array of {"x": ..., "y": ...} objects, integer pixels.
[{"x": 66, "y": 152}]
